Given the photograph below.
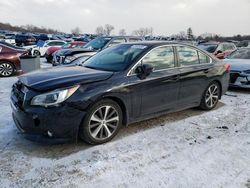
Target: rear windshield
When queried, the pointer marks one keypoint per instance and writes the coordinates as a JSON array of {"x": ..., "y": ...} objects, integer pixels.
[
  {"x": 208, "y": 48},
  {"x": 240, "y": 54}
]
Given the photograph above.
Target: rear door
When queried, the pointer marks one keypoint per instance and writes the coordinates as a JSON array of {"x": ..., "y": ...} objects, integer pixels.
[
  {"x": 159, "y": 91},
  {"x": 195, "y": 69}
]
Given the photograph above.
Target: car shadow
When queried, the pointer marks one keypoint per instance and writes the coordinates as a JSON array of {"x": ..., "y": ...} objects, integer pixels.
[
  {"x": 240, "y": 90},
  {"x": 35, "y": 149}
]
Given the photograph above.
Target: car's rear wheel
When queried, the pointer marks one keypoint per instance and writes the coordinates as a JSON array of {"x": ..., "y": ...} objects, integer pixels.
[
  {"x": 211, "y": 96},
  {"x": 102, "y": 122},
  {"x": 6, "y": 69}
]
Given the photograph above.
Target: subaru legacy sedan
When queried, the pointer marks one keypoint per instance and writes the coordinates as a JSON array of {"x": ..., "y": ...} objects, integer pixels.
[{"x": 120, "y": 85}]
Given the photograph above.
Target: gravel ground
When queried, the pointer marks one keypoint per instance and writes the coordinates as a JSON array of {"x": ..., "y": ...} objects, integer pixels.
[{"x": 191, "y": 148}]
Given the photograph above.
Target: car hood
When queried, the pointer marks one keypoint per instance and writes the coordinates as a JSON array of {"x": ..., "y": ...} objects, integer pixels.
[
  {"x": 238, "y": 64},
  {"x": 60, "y": 77},
  {"x": 70, "y": 51}
]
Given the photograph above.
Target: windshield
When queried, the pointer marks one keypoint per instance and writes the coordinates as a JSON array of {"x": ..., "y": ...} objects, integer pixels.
[
  {"x": 208, "y": 48},
  {"x": 116, "y": 58},
  {"x": 67, "y": 45},
  {"x": 240, "y": 54},
  {"x": 98, "y": 43}
]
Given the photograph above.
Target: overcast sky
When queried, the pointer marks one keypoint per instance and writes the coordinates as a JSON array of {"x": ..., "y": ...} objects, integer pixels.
[{"x": 225, "y": 17}]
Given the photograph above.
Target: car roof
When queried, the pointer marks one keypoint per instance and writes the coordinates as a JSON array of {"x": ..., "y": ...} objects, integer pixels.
[{"x": 159, "y": 43}]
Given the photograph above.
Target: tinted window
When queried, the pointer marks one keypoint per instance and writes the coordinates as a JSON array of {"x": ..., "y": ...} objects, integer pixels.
[
  {"x": 117, "y": 41},
  {"x": 134, "y": 39},
  {"x": 160, "y": 58},
  {"x": 240, "y": 54},
  {"x": 98, "y": 43},
  {"x": 116, "y": 58},
  {"x": 187, "y": 56},
  {"x": 208, "y": 48},
  {"x": 203, "y": 58}
]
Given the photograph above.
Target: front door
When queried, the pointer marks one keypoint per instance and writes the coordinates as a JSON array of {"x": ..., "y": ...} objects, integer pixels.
[{"x": 159, "y": 91}]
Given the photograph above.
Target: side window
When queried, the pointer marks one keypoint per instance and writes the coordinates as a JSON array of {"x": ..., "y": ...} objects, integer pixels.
[
  {"x": 160, "y": 58},
  {"x": 220, "y": 47},
  {"x": 134, "y": 39},
  {"x": 117, "y": 41},
  {"x": 60, "y": 43},
  {"x": 187, "y": 56},
  {"x": 203, "y": 58}
]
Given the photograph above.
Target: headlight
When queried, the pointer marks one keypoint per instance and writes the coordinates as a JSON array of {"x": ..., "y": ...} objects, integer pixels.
[
  {"x": 69, "y": 59},
  {"x": 54, "y": 97}
]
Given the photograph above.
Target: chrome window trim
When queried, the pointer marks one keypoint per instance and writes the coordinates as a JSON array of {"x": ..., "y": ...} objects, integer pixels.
[{"x": 171, "y": 45}]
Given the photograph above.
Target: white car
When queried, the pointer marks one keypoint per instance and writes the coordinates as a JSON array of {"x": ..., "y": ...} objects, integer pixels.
[{"x": 42, "y": 47}]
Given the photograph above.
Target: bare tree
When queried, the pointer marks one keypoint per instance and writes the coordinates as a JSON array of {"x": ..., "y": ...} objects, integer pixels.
[
  {"x": 122, "y": 32},
  {"x": 142, "y": 32},
  {"x": 76, "y": 31},
  {"x": 108, "y": 29},
  {"x": 100, "y": 30}
]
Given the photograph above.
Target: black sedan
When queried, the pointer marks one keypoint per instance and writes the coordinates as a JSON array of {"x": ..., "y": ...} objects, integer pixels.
[
  {"x": 240, "y": 68},
  {"x": 118, "y": 86}
]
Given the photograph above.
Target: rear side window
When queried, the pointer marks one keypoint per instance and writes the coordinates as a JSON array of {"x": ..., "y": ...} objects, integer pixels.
[
  {"x": 187, "y": 56},
  {"x": 161, "y": 58},
  {"x": 203, "y": 58},
  {"x": 134, "y": 39},
  {"x": 117, "y": 41}
]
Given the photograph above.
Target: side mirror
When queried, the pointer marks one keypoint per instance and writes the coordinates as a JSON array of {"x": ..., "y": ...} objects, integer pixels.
[{"x": 144, "y": 71}]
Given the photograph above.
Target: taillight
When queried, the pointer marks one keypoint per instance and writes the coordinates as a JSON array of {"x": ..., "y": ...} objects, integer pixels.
[{"x": 227, "y": 67}]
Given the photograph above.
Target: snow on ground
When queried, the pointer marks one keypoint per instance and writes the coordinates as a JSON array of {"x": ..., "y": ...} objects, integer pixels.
[{"x": 191, "y": 148}]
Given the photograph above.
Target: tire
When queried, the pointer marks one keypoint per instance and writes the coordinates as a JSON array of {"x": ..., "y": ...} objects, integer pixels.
[
  {"x": 95, "y": 128},
  {"x": 36, "y": 53},
  {"x": 211, "y": 96},
  {"x": 6, "y": 69}
]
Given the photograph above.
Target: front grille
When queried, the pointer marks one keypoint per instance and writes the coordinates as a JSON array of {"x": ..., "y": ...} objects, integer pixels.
[
  {"x": 233, "y": 77},
  {"x": 18, "y": 94}
]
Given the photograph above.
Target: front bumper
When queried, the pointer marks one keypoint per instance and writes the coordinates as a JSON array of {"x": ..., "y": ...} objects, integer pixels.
[
  {"x": 239, "y": 80},
  {"x": 54, "y": 125}
]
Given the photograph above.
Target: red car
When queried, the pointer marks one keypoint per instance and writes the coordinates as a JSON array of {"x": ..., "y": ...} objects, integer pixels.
[
  {"x": 9, "y": 59},
  {"x": 219, "y": 49},
  {"x": 51, "y": 50}
]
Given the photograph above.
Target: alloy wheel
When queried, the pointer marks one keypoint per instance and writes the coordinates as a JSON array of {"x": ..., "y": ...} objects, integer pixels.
[
  {"x": 103, "y": 122},
  {"x": 6, "y": 69},
  {"x": 212, "y": 96}
]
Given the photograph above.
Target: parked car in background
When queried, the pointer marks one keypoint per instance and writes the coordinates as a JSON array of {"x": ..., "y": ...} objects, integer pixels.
[
  {"x": 53, "y": 49},
  {"x": 9, "y": 59},
  {"x": 42, "y": 46},
  {"x": 240, "y": 68},
  {"x": 63, "y": 57},
  {"x": 118, "y": 86},
  {"x": 24, "y": 40},
  {"x": 220, "y": 50}
]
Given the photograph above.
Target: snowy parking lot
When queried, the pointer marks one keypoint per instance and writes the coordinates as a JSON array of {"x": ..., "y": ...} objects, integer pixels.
[{"x": 191, "y": 148}]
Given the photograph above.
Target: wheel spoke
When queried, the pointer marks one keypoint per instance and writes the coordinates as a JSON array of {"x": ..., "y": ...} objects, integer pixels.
[
  {"x": 106, "y": 112},
  {"x": 96, "y": 119},
  {"x": 96, "y": 131},
  {"x": 107, "y": 130},
  {"x": 112, "y": 119}
]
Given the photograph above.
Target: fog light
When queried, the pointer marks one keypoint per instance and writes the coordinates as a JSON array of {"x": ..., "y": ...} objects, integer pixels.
[{"x": 50, "y": 134}]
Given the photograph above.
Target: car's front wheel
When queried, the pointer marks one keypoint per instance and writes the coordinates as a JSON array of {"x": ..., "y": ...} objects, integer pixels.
[
  {"x": 102, "y": 122},
  {"x": 211, "y": 96},
  {"x": 36, "y": 53},
  {"x": 6, "y": 69}
]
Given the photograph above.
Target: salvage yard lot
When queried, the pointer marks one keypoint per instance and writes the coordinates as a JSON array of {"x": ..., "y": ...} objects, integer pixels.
[{"x": 191, "y": 148}]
